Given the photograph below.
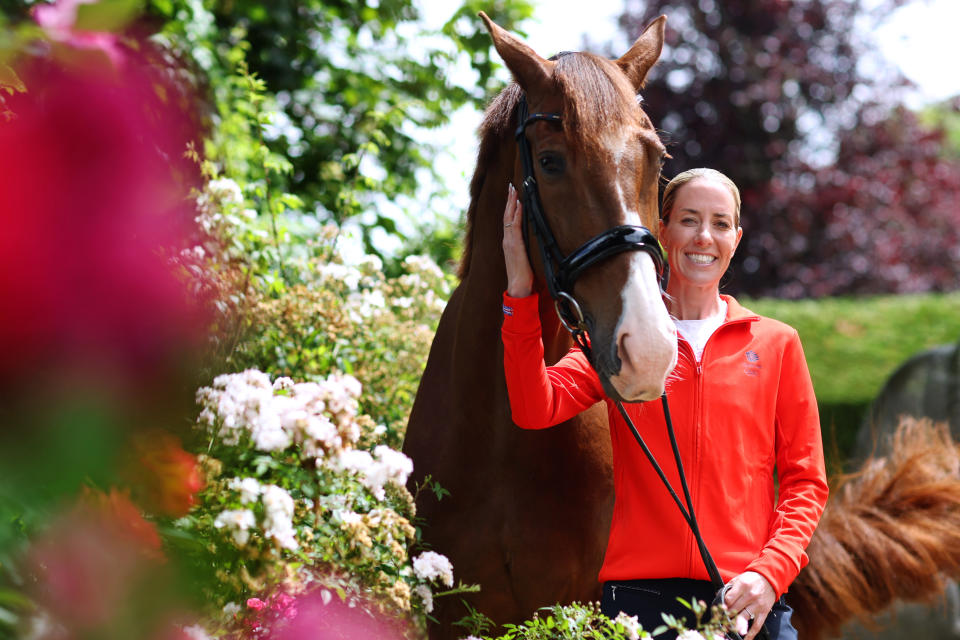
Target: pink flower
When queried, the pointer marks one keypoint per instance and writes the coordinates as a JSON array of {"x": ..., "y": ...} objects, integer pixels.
[
  {"x": 315, "y": 615},
  {"x": 284, "y": 605},
  {"x": 94, "y": 192},
  {"x": 336, "y": 619}
]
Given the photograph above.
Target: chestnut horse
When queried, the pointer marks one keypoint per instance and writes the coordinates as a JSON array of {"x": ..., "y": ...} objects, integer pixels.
[{"x": 528, "y": 513}]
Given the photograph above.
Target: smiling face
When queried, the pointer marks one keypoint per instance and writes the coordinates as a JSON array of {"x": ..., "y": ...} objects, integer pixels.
[{"x": 700, "y": 232}]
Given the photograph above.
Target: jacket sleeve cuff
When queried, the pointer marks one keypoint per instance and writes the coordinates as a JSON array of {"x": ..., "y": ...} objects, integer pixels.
[
  {"x": 779, "y": 569},
  {"x": 521, "y": 316}
]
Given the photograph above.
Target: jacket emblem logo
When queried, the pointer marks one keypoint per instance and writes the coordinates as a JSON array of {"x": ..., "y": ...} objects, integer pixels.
[{"x": 752, "y": 366}]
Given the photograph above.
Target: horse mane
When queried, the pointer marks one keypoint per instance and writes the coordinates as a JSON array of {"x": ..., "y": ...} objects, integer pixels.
[
  {"x": 596, "y": 98},
  {"x": 493, "y": 131},
  {"x": 889, "y": 532}
]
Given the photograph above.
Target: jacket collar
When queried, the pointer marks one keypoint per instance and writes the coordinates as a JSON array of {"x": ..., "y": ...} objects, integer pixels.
[{"x": 735, "y": 311}]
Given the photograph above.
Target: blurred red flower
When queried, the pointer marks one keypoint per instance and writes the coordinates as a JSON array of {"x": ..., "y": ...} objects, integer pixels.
[
  {"x": 166, "y": 476},
  {"x": 116, "y": 511},
  {"x": 94, "y": 200}
]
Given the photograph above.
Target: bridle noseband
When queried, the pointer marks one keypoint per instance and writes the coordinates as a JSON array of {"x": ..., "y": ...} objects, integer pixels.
[{"x": 561, "y": 272}]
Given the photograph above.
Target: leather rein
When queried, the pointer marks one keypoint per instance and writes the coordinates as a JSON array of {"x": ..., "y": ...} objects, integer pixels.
[{"x": 561, "y": 272}]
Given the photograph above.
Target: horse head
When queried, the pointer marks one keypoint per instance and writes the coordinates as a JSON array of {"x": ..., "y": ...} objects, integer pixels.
[{"x": 596, "y": 162}]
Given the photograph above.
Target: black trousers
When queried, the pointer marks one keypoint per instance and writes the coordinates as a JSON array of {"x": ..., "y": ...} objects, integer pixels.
[{"x": 649, "y": 599}]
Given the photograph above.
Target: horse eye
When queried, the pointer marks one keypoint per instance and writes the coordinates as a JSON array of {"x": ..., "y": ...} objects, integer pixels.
[{"x": 551, "y": 163}]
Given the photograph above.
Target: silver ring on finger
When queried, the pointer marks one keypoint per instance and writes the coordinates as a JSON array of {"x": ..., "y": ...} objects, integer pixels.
[{"x": 749, "y": 613}]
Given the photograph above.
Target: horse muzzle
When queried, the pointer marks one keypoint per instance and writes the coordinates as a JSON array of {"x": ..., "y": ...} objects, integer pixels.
[{"x": 645, "y": 339}]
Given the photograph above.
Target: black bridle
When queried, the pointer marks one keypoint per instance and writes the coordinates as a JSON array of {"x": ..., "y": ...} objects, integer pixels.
[{"x": 561, "y": 272}]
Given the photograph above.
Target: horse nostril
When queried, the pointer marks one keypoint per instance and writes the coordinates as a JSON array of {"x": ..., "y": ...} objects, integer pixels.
[
  {"x": 621, "y": 351},
  {"x": 614, "y": 354}
]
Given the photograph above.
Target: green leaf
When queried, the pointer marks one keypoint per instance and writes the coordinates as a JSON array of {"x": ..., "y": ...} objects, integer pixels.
[
  {"x": 107, "y": 15},
  {"x": 165, "y": 7},
  {"x": 291, "y": 201},
  {"x": 387, "y": 224},
  {"x": 11, "y": 598}
]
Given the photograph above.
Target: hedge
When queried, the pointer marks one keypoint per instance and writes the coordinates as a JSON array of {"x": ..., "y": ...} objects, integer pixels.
[{"x": 854, "y": 344}]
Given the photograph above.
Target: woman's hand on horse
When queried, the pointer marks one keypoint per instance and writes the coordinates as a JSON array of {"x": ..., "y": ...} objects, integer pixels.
[
  {"x": 519, "y": 273},
  {"x": 750, "y": 597}
]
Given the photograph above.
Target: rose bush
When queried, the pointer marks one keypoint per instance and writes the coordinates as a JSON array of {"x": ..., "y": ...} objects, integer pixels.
[{"x": 293, "y": 506}]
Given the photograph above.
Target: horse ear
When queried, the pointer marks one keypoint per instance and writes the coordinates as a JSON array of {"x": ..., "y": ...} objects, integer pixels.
[
  {"x": 636, "y": 62},
  {"x": 530, "y": 71}
]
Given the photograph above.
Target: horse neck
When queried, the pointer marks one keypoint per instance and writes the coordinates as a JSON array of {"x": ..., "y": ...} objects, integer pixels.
[{"x": 486, "y": 279}]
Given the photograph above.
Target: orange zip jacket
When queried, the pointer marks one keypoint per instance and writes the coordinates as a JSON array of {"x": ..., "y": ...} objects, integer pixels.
[{"x": 747, "y": 408}]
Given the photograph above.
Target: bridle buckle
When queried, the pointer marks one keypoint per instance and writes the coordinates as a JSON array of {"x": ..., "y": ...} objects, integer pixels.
[{"x": 563, "y": 302}]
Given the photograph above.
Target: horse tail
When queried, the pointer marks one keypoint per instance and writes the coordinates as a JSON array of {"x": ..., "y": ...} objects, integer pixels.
[{"x": 889, "y": 532}]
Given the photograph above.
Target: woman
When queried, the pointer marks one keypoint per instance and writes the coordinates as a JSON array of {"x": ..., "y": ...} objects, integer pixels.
[{"x": 742, "y": 405}]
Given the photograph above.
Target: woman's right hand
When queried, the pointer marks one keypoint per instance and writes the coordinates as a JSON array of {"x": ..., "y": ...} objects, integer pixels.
[{"x": 519, "y": 273}]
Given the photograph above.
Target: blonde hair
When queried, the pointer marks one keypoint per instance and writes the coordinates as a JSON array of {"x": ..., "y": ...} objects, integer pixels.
[{"x": 670, "y": 191}]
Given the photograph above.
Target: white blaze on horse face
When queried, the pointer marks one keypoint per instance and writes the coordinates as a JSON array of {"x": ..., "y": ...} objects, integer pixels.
[
  {"x": 646, "y": 337},
  {"x": 628, "y": 215}
]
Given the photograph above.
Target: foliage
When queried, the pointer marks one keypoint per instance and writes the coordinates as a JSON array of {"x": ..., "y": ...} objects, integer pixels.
[
  {"x": 352, "y": 319},
  {"x": 347, "y": 89},
  {"x": 946, "y": 116},
  {"x": 883, "y": 218},
  {"x": 97, "y": 330},
  {"x": 321, "y": 314},
  {"x": 576, "y": 621},
  {"x": 735, "y": 78},
  {"x": 288, "y": 301},
  {"x": 759, "y": 89},
  {"x": 852, "y": 345},
  {"x": 292, "y": 304}
]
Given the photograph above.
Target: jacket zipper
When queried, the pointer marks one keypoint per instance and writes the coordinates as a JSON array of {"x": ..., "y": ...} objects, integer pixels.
[
  {"x": 693, "y": 553},
  {"x": 688, "y": 534},
  {"x": 695, "y": 471}
]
